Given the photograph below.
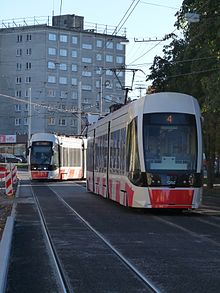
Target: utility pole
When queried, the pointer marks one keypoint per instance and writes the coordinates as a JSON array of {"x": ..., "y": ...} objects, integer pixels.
[
  {"x": 29, "y": 116},
  {"x": 101, "y": 97},
  {"x": 79, "y": 107}
]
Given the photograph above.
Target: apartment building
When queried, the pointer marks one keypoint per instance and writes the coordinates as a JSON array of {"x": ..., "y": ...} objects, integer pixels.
[{"x": 51, "y": 76}]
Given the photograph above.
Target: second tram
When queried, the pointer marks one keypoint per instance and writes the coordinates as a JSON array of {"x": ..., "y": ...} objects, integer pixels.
[
  {"x": 57, "y": 157},
  {"x": 148, "y": 153}
]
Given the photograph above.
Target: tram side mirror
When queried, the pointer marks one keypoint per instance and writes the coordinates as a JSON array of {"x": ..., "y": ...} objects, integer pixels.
[{"x": 27, "y": 152}]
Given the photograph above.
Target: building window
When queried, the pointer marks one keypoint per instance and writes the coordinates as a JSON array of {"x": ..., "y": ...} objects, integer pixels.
[
  {"x": 52, "y": 37},
  {"x": 63, "y": 94},
  {"x": 97, "y": 83},
  {"x": 120, "y": 74},
  {"x": 86, "y": 73},
  {"x": 18, "y": 80},
  {"x": 74, "y": 96},
  {"x": 19, "y": 66},
  {"x": 18, "y": 94},
  {"x": 17, "y": 107},
  {"x": 51, "y": 65},
  {"x": 26, "y": 107},
  {"x": 86, "y": 87},
  {"x": 51, "y": 93},
  {"x": 28, "y": 37},
  {"x": 109, "y": 58},
  {"x": 63, "y": 80},
  {"x": 28, "y": 65},
  {"x": 27, "y": 79},
  {"x": 74, "y": 67},
  {"x": 51, "y": 79},
  {"x": 63, "y": 38},
  {"x": 99, "y": 43},
  {"x": 27, "y": 93},
  {"x": 51, "y": 51},
  {"x": 51, "y": 121},
  {"x": 28, "y": 51},
  {"x": 19, "y": 52},
  {"x": 74, "y": 54},
  {"x": 119, "y": 59},
  {"x": 99, "y": 57},
  {"x": 108, "y": 84},
  {"x": 119, "y": 46},
  {"x": 99, "y": 70},
  {"x": 108, "y": 98},
  {"x": 73, "y": 122},
  {"x": 87, "y": 60},
  {"x": 63, "y": 66},
  {"x": 17, "y": 121},
  {"x": 74, "y": 40},
  {"x": 19, "y": 38},
  {"x": 109, "y": 45},
  {"x": 26, "y": 121},
  {"x": 62, "y": 122},
  {"x": 63, "y": 52},
  {"x": 109, "y": 72},
  {"x": 87, "y": 46},
  {"x": 74, "y": 81}
]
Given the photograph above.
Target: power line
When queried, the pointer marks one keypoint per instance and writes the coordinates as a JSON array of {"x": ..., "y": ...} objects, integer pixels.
[
  {"x": 181, "y": 61},
  {"x": 193, "y": 72},
  {"x": 116, "y": 31},
  {"x": 159, "y": 42}
]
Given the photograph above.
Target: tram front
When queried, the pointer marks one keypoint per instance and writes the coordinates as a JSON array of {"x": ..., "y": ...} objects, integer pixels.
[
  {"x": 170, "y": 145},
  {"x": 43, "y": 160}
]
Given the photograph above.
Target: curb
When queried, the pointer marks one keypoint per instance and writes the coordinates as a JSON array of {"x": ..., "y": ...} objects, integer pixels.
[
  {"x": 5, "y": 245},
  {"x": 5, "y": 249}
]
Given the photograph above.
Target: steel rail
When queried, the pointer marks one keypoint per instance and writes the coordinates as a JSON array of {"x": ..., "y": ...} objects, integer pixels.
[
  {"x": 147, "y": 282},
  {"x": 63, "y": 280}
]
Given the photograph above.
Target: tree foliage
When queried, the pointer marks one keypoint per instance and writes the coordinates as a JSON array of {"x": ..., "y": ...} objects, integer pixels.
[{"x": 192, "y": 65}]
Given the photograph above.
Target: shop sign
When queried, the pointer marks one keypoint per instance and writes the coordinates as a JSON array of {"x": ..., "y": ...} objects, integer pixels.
[{"x": 7, "y": 138}]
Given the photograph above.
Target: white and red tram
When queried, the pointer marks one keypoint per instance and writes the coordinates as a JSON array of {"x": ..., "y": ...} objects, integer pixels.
[
  {"x": 57, "y": 157},
  {"x": 148, "y": 153}
]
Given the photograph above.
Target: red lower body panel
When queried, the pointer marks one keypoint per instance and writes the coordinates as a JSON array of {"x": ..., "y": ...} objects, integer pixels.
[
  {"x": 39, "y": 175},
  {"x": 171, "y": 198}
]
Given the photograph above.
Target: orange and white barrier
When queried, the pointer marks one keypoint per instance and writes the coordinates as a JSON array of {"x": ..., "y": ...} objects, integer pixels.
[
  {"x": 14, "y": 174},
  {"x": 8, "y": 183},
  {"x": 3, "y": 169},
  {"x": 8, "y": 174}
]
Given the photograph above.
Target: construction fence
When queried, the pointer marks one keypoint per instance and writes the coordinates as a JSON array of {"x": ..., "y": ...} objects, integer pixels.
[{"x": 8, "y": 179}]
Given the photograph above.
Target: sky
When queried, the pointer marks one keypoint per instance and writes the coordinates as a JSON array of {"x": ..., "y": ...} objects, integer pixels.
[{"x": 150, "y": 19}]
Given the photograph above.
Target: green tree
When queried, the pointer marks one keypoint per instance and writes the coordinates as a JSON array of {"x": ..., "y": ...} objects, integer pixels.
[{"x": 192, "y": 65}]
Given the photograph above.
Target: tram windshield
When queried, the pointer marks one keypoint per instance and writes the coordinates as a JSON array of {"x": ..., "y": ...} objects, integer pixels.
[
  {"x": 170, "y": 142},
  {"x": 41, "y": 153}
]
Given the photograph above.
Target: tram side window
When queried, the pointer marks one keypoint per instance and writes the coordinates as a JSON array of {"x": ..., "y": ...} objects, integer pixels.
[
  {"x": 132, "y": 155},
  {"x": 117, "y": 151},
  {"x": 101, "y": 153},
  {"x": 90, "y": 154},
  {"x": 75, "y": 157},
  {"x": 55, "y": 156},
  {"x": 71, "y": 157}
]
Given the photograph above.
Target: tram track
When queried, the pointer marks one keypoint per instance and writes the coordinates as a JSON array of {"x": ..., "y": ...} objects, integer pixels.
[
  {"x": 61, "y": 275},
  {"x": 130, "y": 249},
  {"x": 147, "y": 283},
  {"x": 61, "y": 272}
]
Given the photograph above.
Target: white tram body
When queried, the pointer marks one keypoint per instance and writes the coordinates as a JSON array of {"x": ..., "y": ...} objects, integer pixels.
[
  {"x": 148, "y": 153},
  {"x": 57, "y": 157}
]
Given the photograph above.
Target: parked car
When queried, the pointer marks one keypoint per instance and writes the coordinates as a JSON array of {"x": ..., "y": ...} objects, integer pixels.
[
  {"x": 23, "y": 159},
  {"x": 9, "y": 158}
]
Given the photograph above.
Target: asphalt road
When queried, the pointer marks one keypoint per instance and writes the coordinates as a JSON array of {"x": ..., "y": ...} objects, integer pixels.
[{"x": 177, "y": 252}]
